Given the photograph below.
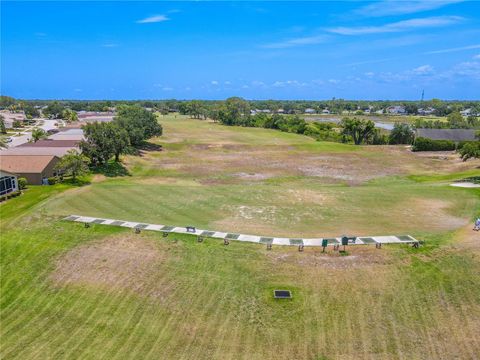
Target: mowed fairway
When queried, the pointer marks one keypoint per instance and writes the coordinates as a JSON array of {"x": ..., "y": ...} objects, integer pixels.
[
  {"x": 106, "y": 293},
  {"x": 266, "y": 182}
]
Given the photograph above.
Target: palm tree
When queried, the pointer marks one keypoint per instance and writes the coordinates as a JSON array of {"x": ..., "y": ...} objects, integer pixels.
[{"x": 38, "y": 134}]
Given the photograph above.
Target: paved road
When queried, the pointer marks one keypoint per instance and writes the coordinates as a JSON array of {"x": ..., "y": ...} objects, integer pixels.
[{"x": 18, "y": 140}]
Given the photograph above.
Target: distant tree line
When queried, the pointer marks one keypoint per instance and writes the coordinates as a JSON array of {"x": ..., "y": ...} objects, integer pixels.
[{"x": 203, "y": 108}]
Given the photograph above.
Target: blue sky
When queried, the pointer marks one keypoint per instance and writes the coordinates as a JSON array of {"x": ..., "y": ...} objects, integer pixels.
[{"x": 257, "y": 50}]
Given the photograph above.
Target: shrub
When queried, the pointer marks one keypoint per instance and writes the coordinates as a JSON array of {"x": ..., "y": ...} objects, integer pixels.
[
  {"x": 52, "y": 180},
  {"x": 461, "y": 144},
  {"x": 22, "y": 183},
  {"x": 424, "y": 144}
]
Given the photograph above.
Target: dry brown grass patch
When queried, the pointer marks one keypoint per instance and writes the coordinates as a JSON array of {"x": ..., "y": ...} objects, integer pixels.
[{"x": 130, "y": 263}]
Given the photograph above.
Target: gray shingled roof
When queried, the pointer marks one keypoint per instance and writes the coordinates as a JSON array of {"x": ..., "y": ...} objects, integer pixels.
[{"x": 447, "y": 134}]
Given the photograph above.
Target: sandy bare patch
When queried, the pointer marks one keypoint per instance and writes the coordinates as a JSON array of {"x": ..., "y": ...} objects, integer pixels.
[
  {"x": 468, "y": 238},
  {"x": 433, "y": 214},
  {"x": 303, "y": 196},
  {"x": 127, "y": 262}
]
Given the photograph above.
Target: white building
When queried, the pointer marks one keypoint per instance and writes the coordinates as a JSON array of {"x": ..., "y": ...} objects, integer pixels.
[
  {"x": 8, "y": 182},
  {"x": 396, "y": 110}
]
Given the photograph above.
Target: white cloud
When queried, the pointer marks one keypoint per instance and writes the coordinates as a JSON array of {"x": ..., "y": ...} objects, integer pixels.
[
  {"x": 307, "y": 40},
  {"x": 40, "y": 34},
  {"x": 423, "y": 70},
  {"x": 399, "y": 26},
  {"x": 477, "y": 56},
  {"x": 110, "y": 45},
  {"x": 469, "y": 47},
  {"x": 227, "y": 83},
  {"x": 294, "y": 83},
  {"x": 470, "y": 69},
  {"x": 258, "y": 83},
  {"x": 166, "y": 88},
  {"x": 214, "y": 82},
  {"x": 153, "y": 19},
  {"x": 392, "y": 7}
]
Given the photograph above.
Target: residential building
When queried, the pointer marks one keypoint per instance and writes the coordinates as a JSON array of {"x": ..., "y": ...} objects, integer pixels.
[
  {"x": 35, "y": 168},
  {"x": 32, "y": 151},
  {"x": 52, "y": 143},
  {"x": 8, "y": 182},
  {"x": 396, "y": 110}
]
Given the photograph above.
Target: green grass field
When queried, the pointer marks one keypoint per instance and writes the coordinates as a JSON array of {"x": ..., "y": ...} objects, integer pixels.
[{"x": 106, "y": 293}]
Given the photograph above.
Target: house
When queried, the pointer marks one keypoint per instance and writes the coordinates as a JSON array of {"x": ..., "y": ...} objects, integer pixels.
[
  {"x": 427, "y": 111},
  {"x": 455, "y": 135},
  {"x": 52, "y": 143},
  {"x": 325, "y": 111},
  {"x": 35, "y": 168},
  {"x": 310, "y": 111},
  {"x": 8, "y": 182},
  {"x": 396, "y": 110},
  {"x": 43, "y": 151},
  {"x": 70, "y": 134},
  {"x": 466, "y": 112},
  {"x": 280, "y": 111}
]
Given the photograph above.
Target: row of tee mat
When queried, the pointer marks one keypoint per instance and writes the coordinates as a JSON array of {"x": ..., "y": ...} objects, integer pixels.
[{"x": 360, "y": 240}]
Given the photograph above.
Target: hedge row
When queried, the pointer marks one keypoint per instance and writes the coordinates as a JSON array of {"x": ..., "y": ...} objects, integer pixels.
[
  {"x": 425, "y": 144},
  {"x": 9, "y": 195}
]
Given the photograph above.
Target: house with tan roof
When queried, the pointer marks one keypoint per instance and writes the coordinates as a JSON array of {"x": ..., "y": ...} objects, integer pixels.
[
  {"x": 35, "y": 168},
  {"x": 25, "y": 151}
]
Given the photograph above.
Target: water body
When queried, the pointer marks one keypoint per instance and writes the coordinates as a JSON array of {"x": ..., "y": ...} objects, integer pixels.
[{"x": 336, "y": 120}]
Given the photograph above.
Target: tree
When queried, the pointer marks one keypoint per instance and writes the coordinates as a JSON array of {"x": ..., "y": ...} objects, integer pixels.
[
  {"x": 195, "y": 109},
  {"x": 233, "y": 111},
  {"x": 401, "y": 134},
  {"x": 53, "y": 110},
  {"x": 98, "y": 144},
  {"x": 470, "y": 150},
  {"x": 3, "y": 143},
  {"x": 3, "y": 129},
  {"x": 121, "y": 140},
  {"x": 455, "y": 120},
  {"x": 359, "y": 130},
  {"x": 31, "y": 111},
  {"x": 72, "y": 164},
  {"x": 139, "y": 123},
  {"x": 69, "y": 115},
  {"x": 6, "y": 101},
  {"x": 38, "y": 134},
  {"x": 411, "y": 108}
]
